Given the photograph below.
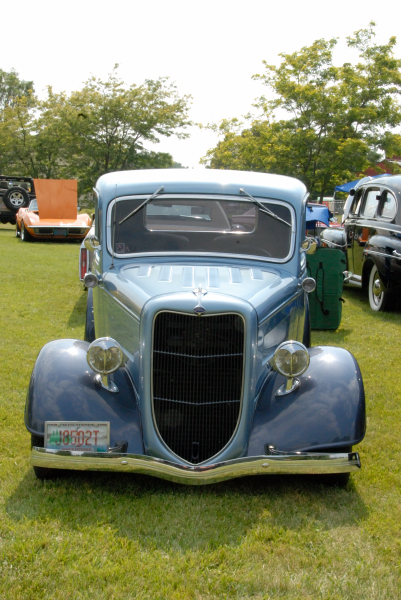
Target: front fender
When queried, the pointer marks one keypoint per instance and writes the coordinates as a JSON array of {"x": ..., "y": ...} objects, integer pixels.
[
  {"x": 63, "y": 388},
  {"x": 385, "y": 253},
  {"x": 326, "y": 411}
]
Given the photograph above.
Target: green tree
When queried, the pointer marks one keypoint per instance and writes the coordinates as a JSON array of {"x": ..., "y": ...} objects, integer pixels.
[
  {"x": 12, "y": 87},
  {"x": 102, "y": 127},
  {"x": 338, "y": 120},
  {"x": 109, "y": 124}
]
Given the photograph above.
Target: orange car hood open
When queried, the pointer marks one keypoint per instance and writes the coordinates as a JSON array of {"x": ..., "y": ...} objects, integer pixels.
[{"x": 57, "y": 198}]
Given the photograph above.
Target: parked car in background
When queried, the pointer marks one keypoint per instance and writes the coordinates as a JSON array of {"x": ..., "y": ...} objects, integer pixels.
[
  {"x": 53, "y": 214},
  {"x": 373, "y": 239},
  {"x": 15, "y": 193},
  {"x": 196, "y": 365}
]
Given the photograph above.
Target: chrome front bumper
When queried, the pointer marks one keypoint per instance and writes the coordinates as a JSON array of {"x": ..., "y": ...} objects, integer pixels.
[{"x": 306, "y": 463}]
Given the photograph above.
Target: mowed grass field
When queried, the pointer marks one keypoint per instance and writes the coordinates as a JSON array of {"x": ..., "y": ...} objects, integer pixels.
[{"x": 111, "y": 536}]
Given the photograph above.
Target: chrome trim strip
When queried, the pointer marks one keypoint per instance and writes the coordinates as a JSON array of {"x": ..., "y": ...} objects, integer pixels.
[
  {"x": 375, "y": 224},
  {"x": 302, "y": 463},
  {"x": 38, "y": 226},
  {"x": 393, "y": 254}
]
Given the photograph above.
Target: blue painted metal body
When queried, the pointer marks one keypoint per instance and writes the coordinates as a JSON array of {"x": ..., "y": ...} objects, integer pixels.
[{"x": 327, "y": 411}]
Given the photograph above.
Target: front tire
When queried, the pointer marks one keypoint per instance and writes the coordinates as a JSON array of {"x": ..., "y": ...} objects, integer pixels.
[
  {"x": 378, "y": 299},
  {"x": 17, "y": 231},
  {"x": 42, "y": 472}
]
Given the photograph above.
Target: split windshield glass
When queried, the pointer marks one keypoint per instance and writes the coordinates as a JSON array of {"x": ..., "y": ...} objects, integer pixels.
[{"x": 194, "y": 224}]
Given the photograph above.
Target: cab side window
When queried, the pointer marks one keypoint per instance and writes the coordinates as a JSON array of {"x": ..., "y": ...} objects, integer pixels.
[
  {"x": 372, "y": 198},
  {"x": 356, "y": 202},
  {"x": 388, "y": 205}
]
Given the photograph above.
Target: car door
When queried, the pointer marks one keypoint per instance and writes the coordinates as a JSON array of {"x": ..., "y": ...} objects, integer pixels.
[
  {"x": 349, "y": 225},
  {"x": 384, "y": 246}
]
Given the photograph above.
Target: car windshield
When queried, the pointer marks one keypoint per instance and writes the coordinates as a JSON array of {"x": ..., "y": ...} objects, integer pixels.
[
  {"x": 33, "y": 205},
  {"x": 212, "y": 225}
]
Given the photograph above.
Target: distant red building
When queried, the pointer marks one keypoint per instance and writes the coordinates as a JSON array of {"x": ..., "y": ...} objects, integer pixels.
[{"x": 390, "y": 165}]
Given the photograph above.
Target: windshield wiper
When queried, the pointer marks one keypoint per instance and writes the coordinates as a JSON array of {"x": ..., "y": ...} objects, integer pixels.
[
  {"x": 157, "y": 193},
  {"x": 263, "y": 208}
]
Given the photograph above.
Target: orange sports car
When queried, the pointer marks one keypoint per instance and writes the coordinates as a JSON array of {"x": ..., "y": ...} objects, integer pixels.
[{"x": 53, "y": 213}]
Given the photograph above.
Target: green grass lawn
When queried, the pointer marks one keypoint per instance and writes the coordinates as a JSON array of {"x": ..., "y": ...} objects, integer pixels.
[{"x": 112, "y": 536}]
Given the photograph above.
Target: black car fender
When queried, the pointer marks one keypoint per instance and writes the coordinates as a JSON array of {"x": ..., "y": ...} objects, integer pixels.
[
  {"x": 63, "y": 388},
  {"x": 325, "y": 412},
  {"x": 385, "y": 253}
]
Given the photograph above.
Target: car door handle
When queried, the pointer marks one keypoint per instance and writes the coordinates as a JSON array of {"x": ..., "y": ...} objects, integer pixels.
[{"x": 396, "y": 254}]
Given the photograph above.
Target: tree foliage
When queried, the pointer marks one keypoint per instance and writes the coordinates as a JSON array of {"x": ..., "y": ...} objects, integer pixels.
[
  {"x": 101, "y": 128},
  {"x": 12, "y": 87},
  {"x": 336, "y": 121}
]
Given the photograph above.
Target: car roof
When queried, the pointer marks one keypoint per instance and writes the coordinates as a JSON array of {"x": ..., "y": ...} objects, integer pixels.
[
  {"x": 392, "y": 181},
  {"x": 202, "y": 181}
]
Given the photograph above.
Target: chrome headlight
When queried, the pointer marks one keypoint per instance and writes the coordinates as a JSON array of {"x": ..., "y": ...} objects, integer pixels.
[
  {"x": 291, "y": 359},
  {"x": 105, "y": 355}
]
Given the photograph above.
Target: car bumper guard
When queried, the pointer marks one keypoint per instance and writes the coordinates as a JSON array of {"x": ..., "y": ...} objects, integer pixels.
[{"x": 308, "y": 463}]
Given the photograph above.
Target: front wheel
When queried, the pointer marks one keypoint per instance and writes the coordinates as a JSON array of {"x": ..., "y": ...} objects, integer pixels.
[
  {"x": 42, "y": 472},
  {"x": 378, "y": 299},
  {"x": 17, "y": 230}
]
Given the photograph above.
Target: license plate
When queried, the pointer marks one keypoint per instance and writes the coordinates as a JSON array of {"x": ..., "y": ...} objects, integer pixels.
[
  {"x": 60, "y": 232},
  {"x": 74, "y": 435}
]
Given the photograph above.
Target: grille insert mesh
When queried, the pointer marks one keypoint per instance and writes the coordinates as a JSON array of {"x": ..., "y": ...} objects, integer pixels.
[{"x": 197, "y": 381}]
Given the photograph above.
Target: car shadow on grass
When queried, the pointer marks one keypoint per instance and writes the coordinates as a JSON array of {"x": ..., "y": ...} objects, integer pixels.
[
  {"x": 159, "y": 514},
  {"x": 78, "y": 314}
]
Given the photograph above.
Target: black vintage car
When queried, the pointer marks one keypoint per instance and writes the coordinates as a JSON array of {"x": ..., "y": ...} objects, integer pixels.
[{"x": 372, "y": 231}]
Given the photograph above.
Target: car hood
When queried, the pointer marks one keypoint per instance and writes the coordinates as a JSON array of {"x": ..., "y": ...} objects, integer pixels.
[
  {"x": 263, "y": 287},
  {"x": 57, "y": 198}
]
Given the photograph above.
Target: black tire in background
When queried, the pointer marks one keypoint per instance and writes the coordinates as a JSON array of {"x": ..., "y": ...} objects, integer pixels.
[
  {"x": 16, "y": 198},
  {"x": 90, "y": 335},
  {"x": 378, "y": 301}
]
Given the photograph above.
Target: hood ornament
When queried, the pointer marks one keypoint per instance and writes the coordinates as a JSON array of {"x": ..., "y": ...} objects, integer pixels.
[{"x": 199, "y": 309}]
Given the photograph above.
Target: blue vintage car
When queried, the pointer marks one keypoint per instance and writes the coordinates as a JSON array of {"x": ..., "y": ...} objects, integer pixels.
[{"x": 196, "y": 365}]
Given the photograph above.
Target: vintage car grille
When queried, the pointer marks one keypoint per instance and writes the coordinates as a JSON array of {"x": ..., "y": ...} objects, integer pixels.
[{"x": 197, "y": 381}]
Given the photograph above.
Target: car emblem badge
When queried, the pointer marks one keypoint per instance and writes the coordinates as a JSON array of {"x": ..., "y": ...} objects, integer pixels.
[{"x": 199, "y": 309}]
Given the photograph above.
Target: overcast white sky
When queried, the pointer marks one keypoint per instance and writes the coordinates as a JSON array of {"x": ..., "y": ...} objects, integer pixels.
[{"x": 209, "y": 48}]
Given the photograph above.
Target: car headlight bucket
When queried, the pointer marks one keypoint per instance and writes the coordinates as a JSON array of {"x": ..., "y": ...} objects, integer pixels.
[
  {"x": 104, "y": 356},
  {"x": 291, "y": 359}
]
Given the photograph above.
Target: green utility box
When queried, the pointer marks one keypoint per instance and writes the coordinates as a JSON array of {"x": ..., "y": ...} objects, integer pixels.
[{"x": 326, "y": 266}]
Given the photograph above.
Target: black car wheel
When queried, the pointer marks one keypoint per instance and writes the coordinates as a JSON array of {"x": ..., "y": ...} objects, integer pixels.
[
  {"x": 16, "y": 198},
  {"x": 378, "y": 299},
  {"x": 24, "y": 235},
  {"x": 17, "y": 230},
  {"x": 42, "y": 472}
]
